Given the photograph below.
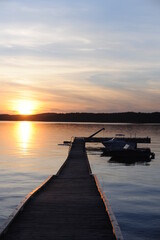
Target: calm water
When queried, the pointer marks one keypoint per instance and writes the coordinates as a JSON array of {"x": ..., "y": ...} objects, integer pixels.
[{"x": 29, "y": 153}]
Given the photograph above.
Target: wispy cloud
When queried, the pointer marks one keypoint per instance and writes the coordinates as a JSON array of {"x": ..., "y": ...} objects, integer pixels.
[{"x": 78, "y": 56}]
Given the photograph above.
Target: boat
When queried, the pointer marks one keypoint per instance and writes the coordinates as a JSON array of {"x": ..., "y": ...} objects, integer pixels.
[
  {"x": 116, "y": 144},
  {"x": 120, "y": 149},
  {"x": 130, "y": 153}
]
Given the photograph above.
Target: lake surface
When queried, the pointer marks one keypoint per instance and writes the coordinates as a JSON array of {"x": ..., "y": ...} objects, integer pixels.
[{"x": 29, "y": 153}]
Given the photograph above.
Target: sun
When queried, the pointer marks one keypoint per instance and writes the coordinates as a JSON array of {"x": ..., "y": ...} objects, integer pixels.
[{"x": 25, "y": 107}]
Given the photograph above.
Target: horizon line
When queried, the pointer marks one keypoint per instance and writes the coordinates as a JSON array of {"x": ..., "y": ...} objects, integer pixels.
[{"x": 34, "y": 114}]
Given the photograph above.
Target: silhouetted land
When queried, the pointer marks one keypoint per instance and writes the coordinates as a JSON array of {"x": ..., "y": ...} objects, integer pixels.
[{"x": 125, "y": 117}]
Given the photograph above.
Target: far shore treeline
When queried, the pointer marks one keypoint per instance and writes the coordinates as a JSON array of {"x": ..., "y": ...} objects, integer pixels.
[{"x": 125, "y": 117}]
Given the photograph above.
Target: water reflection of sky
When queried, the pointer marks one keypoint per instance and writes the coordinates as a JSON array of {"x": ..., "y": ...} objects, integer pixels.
[
  {"x": 24, "y": 134},
  {"x": 29, "y": 153},
  {"x": 133, "y": 191}
]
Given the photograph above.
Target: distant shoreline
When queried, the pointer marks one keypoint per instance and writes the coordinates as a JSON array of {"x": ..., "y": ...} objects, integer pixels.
[{"x": 124, "y": 117}]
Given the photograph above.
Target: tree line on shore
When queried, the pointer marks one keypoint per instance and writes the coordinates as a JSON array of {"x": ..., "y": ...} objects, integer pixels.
[{"x": 125, "y": 117}]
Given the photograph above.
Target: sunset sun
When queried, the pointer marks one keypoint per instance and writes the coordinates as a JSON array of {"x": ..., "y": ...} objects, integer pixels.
[{"x": 25, "y": 107}]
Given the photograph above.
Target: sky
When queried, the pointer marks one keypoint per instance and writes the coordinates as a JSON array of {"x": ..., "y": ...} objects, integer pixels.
[{"x": 79, "y": 56}]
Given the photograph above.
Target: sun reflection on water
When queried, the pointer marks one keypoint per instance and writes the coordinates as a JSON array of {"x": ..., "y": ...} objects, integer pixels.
[{"x": 25, "y": 130}]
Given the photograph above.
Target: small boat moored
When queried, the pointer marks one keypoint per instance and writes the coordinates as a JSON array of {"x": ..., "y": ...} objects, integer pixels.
[
  {"x": 121, "y": 149},
  {"x": 142, "y": 153}
]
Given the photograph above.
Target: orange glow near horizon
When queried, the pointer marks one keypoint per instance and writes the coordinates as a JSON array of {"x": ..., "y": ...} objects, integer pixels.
[{"x": 24, "y": 107}]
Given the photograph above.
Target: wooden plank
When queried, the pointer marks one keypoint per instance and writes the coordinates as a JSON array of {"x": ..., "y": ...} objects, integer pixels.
[
  {"x": 115, "y": 225},
  {"x": 22, "y": 204},
  {"x": 69, "y": 206},
  {"x": 135, "y": 140}
]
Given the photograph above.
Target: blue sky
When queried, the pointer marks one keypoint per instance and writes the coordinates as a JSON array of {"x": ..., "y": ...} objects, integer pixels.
[{"x": 87, "y": 56}]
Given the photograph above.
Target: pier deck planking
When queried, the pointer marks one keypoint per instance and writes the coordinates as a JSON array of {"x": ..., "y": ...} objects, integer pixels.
[
  {"x": 68, "y": 207},
  {"x": 127, "y": 139}
]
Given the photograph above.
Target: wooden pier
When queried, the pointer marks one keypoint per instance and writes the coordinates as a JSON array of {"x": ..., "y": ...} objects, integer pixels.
[
  {"x": 127, "y": 139},
  {"x": 68, "y": 206}
]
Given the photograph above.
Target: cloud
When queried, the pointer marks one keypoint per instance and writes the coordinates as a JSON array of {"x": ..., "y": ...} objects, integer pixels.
[
  {"x": 80, "y": 56},
  {"x": 132, "y": 79}
]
